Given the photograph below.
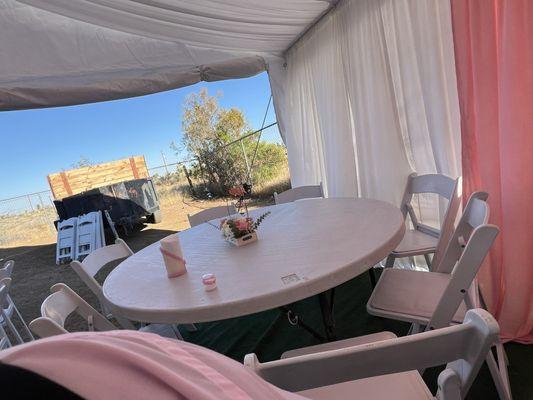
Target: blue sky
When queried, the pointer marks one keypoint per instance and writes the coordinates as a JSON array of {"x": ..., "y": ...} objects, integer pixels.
[{"x": 38, "y": 142}]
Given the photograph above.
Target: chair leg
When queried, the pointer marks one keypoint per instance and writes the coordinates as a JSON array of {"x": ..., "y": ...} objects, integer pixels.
[
  {"x": 428, "y": 261},
  {"x": 495, "y": 371},
  {"x": 24, "y": 325},
  {"x": 124, "y": 323},
  {"x": 502, "y": 349},
  {"x": 12, "y": 328},
  {"x": 372, "y": 275},
  {"x": 176, "y": 330},
  {"x": 503, "y": 362},
  {"x": 190, "y": 327},
  {"x": 3, "y": 333},
  {"x": 415, "y": 328},
  {"x": 105, "y": 310},
  {"x": 390, "y": 261}
]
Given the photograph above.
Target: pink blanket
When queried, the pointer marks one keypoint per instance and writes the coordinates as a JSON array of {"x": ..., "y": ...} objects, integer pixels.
[{"x": 135, "y": 365}]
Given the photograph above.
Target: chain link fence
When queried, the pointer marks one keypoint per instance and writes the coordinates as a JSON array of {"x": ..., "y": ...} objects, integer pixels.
[{"x": 27, "y": 218}]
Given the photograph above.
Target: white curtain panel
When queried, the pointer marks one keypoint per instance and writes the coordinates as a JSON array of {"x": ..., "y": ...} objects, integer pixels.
[{"x": 369, "y": 96}]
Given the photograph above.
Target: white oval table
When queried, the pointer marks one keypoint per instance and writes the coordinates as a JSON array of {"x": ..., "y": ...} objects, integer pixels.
[{"x": 304, "y": 248}]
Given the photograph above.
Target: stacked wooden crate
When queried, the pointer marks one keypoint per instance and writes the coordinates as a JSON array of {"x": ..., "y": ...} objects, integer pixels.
[{"x": 74, "y": 181}]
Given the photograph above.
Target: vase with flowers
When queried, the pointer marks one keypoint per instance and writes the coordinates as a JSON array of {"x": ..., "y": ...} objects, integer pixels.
[{"x": 241, "y": 229}]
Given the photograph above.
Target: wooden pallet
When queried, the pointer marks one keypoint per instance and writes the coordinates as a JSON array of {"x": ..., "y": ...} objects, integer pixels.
[{"x": 74, "y": 181}]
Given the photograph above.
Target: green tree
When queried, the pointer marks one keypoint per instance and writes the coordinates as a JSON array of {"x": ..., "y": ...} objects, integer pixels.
[{"x": 208, "y": 129}]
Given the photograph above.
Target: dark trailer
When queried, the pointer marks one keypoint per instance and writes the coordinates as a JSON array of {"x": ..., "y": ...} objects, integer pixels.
[{"x": 123, "y": 188}]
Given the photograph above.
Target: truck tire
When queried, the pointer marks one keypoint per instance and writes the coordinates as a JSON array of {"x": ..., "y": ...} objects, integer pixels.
[{"x": 155, "y": 218}]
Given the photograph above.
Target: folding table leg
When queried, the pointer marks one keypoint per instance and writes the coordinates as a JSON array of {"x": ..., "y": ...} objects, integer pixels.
[
  {"x": 389, "y": 263},
  {"x": 297, "y": 321},
  {"x": 372, "y": 275},
  {"x": 326, "y": 306},
  {"x": 326, "y": 300}
]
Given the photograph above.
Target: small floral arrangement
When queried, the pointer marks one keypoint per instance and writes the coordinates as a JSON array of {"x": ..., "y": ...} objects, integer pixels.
[
  {"x": 235, "y": 228},
  {"x": 241, "y": 228}
]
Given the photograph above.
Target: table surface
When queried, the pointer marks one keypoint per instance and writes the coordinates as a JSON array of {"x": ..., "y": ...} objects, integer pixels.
[{"x": 304, "y": 248}]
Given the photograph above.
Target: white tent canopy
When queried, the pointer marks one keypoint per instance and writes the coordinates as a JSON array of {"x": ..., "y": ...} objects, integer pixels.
[
  {"x": 364, "y": 90},
  {"x": 62, "y": 52}
]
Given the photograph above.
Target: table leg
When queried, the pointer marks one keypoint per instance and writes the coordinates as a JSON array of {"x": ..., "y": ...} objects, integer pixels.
[
  {"x": 326, "y": 300},
  {"x": 296, "y": 320},
  {"x": 372, "y": 275}
]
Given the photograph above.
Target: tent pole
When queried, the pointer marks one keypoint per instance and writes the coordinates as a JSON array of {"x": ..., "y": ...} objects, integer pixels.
[{"x": 332, "y": 5}]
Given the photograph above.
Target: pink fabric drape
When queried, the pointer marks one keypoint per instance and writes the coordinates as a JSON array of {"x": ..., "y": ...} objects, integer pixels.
[{"x": 493, "y": 42}]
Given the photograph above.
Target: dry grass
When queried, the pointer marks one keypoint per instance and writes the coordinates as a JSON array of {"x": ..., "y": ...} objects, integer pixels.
[
  {"x": 281, "y": 183},
  {"x": 35, "y": 227}
]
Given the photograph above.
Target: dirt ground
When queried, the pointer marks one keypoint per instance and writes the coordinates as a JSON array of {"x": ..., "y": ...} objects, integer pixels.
[{"x": 35, "y": 269}]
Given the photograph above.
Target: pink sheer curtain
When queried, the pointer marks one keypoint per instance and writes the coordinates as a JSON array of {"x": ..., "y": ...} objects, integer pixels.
[{"x": 493, "y": 42}]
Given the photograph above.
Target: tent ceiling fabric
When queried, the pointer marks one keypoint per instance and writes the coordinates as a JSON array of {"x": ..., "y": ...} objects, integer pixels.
[{"x": 64, "y": 52}]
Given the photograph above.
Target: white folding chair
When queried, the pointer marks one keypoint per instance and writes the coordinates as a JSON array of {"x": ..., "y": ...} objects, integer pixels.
[
  {"x": 388, "y": 369},
  {"x": 4, "y": 339},
  {"x": 89, "y": 234},
  {"x": 94, "y": 262},
  {"x": 298, "y": 193},
  {"x": 438, "y": 298},
  {"x": 4, "y": 289},
  {"x": 210, "y": 214},
  {"x": 66, "y": 240},
  {"x": 5, "y": 284},
  {"x": 63, "y": 302},
  {"x": 11, "y": 308},
  {"x": 423, "y": 239}
]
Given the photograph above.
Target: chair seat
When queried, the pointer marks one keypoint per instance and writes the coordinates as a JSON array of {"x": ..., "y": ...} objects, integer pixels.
[
  {"x": 415, "y": 242},
  {"x": 401, "y": 386},
  {"x": 339, "y": 344},
  {"x": 410, "y": 296}
]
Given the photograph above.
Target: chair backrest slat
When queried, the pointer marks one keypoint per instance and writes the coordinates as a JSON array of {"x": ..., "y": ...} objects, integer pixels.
[
  {"x": 476, "y": 213},
  {"x": 448, "y": 223},
  {"x": 59, "y": 305},
  {"x": 211, "y": 213},
  {"x": 433, "y": 183},
  {"x": 298, "y": 193}
]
